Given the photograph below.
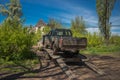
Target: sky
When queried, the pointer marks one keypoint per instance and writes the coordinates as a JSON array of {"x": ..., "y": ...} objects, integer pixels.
[{"x": 64, "y": 11}]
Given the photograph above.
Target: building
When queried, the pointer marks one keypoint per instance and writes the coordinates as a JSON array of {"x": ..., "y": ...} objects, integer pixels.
[{"x": 40, "y": 26}]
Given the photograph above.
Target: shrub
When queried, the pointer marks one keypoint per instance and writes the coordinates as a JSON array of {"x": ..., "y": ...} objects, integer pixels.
[{"x": 15, "y": 42}]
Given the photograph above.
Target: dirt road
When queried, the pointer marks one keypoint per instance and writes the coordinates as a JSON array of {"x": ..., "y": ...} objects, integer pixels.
[{"x": 110, "y": 65}]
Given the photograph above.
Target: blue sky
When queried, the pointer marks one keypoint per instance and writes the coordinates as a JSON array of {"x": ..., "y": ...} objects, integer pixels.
[{"x": 64, "y": 11}]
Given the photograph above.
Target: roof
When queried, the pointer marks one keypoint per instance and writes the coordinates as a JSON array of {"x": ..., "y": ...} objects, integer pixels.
[{"x": 40, "y": 23}]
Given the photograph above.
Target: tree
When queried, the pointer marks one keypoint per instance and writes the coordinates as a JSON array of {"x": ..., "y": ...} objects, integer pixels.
[
  {"x": 15, "y": 40},
  {"x": 52, "y": 23},
  {"x": 46, "y": 29},
  {"x": 104, "y": 10},
  {"x": 78, "y": 25},
  {"x": 12, "y": 11}
]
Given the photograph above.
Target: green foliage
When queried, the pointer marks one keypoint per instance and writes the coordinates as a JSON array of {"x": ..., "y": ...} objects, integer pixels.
[
  {"x": 46, "y": 29},
  {"x": 115, "y": 39},
  {"x": 52, "y": 23},
  {"x": 12, "y": 10},
  {"x": 15, "y": 43},
  {"x": 15, "y": 40},
  {"x": 36, "y": 36},
  {"x": 104, "y": 10},
  {"x": 78, "y": 26},
  {"x": 103, "y": 49},
  {"x": 95, "y": 43},
  {"x": 76, "y": 33},
  {"x": 94, "y": 39}
]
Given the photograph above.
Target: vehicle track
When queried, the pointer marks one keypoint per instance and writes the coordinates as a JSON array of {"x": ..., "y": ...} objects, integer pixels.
[{"x": 74, "y": 69}]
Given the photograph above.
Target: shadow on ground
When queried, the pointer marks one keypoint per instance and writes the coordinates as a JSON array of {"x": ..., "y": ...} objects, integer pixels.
[{"x": 19, "y": 75}]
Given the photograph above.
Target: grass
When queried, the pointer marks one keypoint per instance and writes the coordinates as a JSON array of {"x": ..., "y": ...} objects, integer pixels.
[
  {"x": 101, "y": 50},
  {"x": 17, "y": 66}
]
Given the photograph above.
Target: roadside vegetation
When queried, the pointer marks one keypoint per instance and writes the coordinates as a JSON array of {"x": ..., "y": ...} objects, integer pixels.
[
  {"x": 96, "y": 42},
  {"x": 102, "y": 41},
  {"x": 16, "y": 40}
]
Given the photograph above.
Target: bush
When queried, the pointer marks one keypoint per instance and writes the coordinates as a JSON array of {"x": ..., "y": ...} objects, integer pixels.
[
  {"x": 96, "y": 43},
  {"x": 94, "y": 40},
  {"x": 115, "y": 39},
  {"x": 15, "y": 42}
]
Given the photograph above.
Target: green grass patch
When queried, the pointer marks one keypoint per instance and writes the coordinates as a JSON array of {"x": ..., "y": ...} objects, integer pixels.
[{"x": 102, "y": 50}]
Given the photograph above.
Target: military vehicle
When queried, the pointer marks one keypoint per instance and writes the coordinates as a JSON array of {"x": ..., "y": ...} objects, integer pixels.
[{"x": 62, "y": 40}]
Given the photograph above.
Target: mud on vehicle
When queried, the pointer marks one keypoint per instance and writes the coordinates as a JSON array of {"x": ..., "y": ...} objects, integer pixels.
[{"x": 62, "y": 40}]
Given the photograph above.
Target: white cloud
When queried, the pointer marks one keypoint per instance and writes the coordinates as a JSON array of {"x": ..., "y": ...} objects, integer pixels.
[
  {"x": 92, "y": 30},
  {"x": 92, "y": 20},
  {"x": 88, "y": 16},
  {"x": 115, "y": 20},
  {"x": 115, "y": 28},
  {"x": 116, "y": 33},
  {"x": 71, "y": 10}
]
